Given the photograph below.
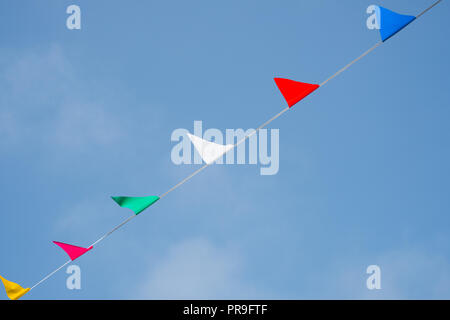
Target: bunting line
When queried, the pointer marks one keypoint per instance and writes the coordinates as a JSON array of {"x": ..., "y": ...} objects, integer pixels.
[
  {"x": 427, "y": 9},
  {"x": 351, "y": 63},
  {"x": 51, "y": 274},
  {"x": 340, "y": 71}
]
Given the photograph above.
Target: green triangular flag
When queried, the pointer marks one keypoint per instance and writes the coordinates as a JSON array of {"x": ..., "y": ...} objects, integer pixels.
[{"x": 137, "y": 204}]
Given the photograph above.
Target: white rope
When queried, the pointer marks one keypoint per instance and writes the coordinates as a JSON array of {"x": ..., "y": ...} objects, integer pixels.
[
  {"x": 234, "y": 146},
  {"x": 50, "y": 274},
  {"x": 114, "y": 229},
  {"x": 184, "y": 180},
  {"x": 351, "y": 63},
  {"x": 429, "y": 8}
]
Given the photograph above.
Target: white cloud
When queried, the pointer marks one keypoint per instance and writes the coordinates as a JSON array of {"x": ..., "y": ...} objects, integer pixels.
[
  {"x": 416, "y": 274},
  {"x": 80, "y": 123},
  {"x": 407, "y": 273},
  {"x": 196, "y": 269},
  {"x": 39, "y": 72},
  {"x": 79, "y": 216},
  {"x": 44, "y": 102},
  {"x": 7, "y": 124}
]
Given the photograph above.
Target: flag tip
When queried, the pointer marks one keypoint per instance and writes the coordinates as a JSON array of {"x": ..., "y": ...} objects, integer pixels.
[
  {"x": 136, "y": 204},
  {"x": 294, "y": 91},
  {"x": 13, "y": 290},
  {"x": 392, "y": 22},
  {"x": 72, "y": 251}
]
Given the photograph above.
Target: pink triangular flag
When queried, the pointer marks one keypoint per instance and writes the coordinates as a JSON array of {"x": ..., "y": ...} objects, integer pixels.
[{"x": 73, "y": 251}]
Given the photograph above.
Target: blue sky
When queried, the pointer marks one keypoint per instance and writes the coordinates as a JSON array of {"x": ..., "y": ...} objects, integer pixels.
[{"x": 88, "y": 113}]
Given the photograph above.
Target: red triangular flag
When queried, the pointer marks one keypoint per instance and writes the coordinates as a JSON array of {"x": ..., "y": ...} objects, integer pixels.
[
  {"x": 73, "y": 251},
  {"x": 294, "y": 91}
]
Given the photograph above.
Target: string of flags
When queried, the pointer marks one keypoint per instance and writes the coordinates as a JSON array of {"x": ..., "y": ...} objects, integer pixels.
[{"x": 293, "y": 92}]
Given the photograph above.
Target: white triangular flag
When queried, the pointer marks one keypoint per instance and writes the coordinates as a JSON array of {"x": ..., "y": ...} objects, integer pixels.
[{"x": 209, "y": 151}]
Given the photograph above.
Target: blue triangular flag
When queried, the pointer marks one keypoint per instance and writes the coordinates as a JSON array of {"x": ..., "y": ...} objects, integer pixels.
[{"x": 392, "y": 22}]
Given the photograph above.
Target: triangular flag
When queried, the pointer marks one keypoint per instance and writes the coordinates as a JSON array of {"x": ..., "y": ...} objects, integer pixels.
[
  {"x": 13, "y": 290},
  {"x": 392, "y": 22},
  {"x": 73, "y": 251},
  {"x": 294, "y": 91},
  {"x": 137, "y": 204},
  {"x": 209, "y": 151}
]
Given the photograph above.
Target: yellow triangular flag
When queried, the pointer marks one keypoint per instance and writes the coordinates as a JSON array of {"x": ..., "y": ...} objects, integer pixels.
[{"x": 13, "y": 290}]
